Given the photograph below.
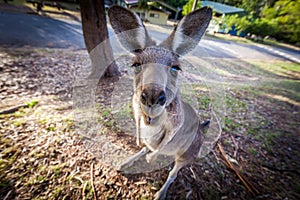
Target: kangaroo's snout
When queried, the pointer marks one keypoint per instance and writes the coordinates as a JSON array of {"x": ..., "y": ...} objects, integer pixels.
[{"x": 153, "y": 96}]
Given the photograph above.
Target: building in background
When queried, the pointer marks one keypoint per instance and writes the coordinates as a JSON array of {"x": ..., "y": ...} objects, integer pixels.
[
  {"x": 220, "y": 11},
  {"x": 156, "y": 13}
]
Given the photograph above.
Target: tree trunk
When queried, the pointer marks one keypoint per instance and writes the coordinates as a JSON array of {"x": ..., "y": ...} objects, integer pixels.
[
  {"x": 95, "y": 32},
  {"x": 194, "y": 5}
]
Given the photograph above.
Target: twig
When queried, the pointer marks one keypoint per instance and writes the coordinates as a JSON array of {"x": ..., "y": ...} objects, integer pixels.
[
  {"x": 193, "y": 173},
  {"x": 80, "y": 179},
  {"x": 7, "y": 195},
  {"x": 92, "y": 181},
  {"x": 262, "y": 153},
  {"x": 13, "y": 109},
  {"x": 189, "y": 194},
  {"x": 236, "y": 147},
  {"x": 83, "y": 190},
  {"x": 280, "y": 170},
  {"x": 247, "y": 184}
]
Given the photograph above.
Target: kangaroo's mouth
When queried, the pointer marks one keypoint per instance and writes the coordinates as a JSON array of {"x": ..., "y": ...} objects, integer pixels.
[
  {"x": 151, "y": 113},
  {"x": 148, "y": 120}
]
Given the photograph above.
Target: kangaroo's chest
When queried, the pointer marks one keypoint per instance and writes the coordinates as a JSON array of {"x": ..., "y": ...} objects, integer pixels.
[{"x": 153, "y": 134}]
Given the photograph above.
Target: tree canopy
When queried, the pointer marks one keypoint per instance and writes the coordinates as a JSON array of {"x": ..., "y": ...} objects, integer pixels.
[
  {"x": 187, "y": 8},
  {"x": 279, "y": 19},
  {"x": 176, "y": 3}
]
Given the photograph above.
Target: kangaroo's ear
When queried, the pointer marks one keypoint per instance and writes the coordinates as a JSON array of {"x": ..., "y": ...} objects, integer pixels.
[
  {"x": 129, "y": 28},
  {"x": 189, "y": 31}
]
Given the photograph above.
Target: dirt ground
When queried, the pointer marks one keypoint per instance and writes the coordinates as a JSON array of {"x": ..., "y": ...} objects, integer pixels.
[{"x": 43, "y": 157}]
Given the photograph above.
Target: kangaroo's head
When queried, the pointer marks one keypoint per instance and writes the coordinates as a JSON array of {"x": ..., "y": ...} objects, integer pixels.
[{"x": 156, "y": 67}]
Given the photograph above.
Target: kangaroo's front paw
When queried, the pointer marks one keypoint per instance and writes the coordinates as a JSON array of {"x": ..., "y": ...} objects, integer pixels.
[
  {"x": 122, "y": 168},
  {"x": 125, "y": 165}
]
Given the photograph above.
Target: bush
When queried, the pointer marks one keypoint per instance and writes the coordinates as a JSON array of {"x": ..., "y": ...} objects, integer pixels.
[
  {"x": 187, "y": 8},
  {"x": 282, "y": 21}
]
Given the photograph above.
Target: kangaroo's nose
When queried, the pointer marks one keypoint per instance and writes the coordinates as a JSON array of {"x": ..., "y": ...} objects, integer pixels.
[
  {"x": 162, "y": 98},
  {"x": 152, "y": 97}
]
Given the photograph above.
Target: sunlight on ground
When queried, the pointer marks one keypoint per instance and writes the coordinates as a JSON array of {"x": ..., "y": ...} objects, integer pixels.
[
  {"x": 69, "y": 12},
  {"x": 280, "y": 68},
  {"x": 283, "y": 99}
]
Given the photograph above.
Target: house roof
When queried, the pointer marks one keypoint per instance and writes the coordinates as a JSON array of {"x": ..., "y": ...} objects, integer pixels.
[
  {"x": 130, "y": 2},
  {"x": 135, "y": 2},
  {"x": 221, "y": 8}
]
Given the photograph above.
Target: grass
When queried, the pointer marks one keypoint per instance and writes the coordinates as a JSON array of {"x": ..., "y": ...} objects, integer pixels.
[
  {"x": 283, "y": 84},
  {"x": 280, "y": 44},
  {"x": 230, "y": 38},
  {"x": 32, "y": 103},
  {"x": 279, "y": 68},
  {"x": 253, "y": 151},
  {"x": 19, "y": 122},
  {"x": 277, "y": 78},
  {"x": 250, "y": 108},
  {"x": 18, "y": 2},
  {"x": 124, "y": 112},
  {"x": 234, "y": 104},
  {"x": 231, "y": 124},
  {"x": 278, "y": 84},
  {"x": 20, "y": 113},
  {"x": 57, "y": 170},
  {"x": 204, "y": 101}
]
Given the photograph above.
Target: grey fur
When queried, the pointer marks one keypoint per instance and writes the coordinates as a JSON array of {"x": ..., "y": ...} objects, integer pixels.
[{"x": 165, "y": 124}]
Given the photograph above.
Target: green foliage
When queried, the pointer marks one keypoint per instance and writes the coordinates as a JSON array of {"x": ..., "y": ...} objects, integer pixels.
[
  {"x": 143, "y": 4},
  {"x": 176, "y": 3},
  {"x": 280, "y": 21},
  {"x": 252, "y": 7},
  {"x": 187, "y": 8},
  {"x": 32, "y": 103},
  {"x": 286, "y": 16}
]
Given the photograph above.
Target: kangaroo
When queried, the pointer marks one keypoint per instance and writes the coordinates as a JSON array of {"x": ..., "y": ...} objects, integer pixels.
[{"x": 165, "y": 124}]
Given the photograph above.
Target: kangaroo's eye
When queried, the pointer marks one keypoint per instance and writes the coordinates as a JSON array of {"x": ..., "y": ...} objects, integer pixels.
[
  {"x": 137, "y": 67},
  {"x": 174, "y": 69}
]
